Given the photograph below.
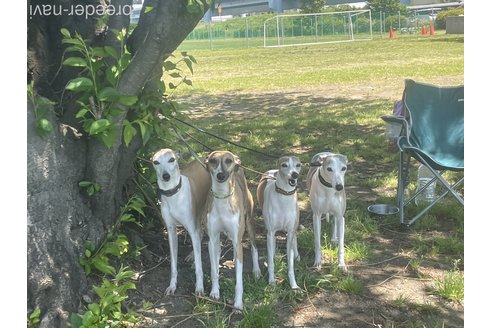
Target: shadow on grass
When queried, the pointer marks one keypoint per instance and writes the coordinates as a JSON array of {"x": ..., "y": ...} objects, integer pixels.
[{"x": 291, "y": 123}]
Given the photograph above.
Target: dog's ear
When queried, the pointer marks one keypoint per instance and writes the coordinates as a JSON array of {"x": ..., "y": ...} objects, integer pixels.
[
  {"x": 237, "y": 161},
  {"x": 177, "y": 153},
  {"x": 207, "y": 158}
]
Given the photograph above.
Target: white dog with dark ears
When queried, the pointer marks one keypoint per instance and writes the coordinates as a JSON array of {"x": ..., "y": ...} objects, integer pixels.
[
  {"x": 230, "y": 210},
  {"x": 277, "y": 197},
  {"x": 325, "y": 182},
  {"x": 182, "y": 197}
]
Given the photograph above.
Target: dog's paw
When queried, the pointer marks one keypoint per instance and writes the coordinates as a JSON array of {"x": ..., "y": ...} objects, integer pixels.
[
  {"x": 334, "y": 240},
  {"x": 199, "y": 291},
  {"x": 272, "y": 281},
  {"x": 294, "y": 286},
  {"x": 257, "y": 273},
  {"x": 238, "y": 306},
  {"x": 317, "y": 265},
  {"x": 343, "y": 268},
  {"x": 214, "y": 294},
  {"x": 170, "y": 290}
]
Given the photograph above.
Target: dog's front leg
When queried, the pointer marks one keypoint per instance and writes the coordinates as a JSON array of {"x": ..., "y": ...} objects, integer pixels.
[
  {"x": 341, "y": 247},
  {"x": 317, "y": 240},
  {"x": 334, "y": 228},
  {"x": 197, "y": 251},
  {"x": 290, "y": 259},
  {"x": 271, "y": 256},
  {"x": 173, "y": 250},
  {"x": 214, "y": 253},
  {"x": 296, "y": 251},
  {"x": 238, "y": 297}
]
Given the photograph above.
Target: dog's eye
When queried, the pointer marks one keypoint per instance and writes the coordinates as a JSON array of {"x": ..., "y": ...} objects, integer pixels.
[
  {"x": 330, "y": 169},
  {"x": 171, "y": 160},
  {"x": 228, "y": 161},
  {"x": 284, "y": 165},
  {"x": 212, "y": 161},
  {"x": 156, "y": 163},
  {"x": 298, "y": 165},
  {"x": 344, "y": 168}
]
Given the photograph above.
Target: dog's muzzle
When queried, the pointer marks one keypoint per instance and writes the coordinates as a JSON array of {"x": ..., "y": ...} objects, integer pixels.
[
  {"x": 221, "y": 177},
  {"x": 166, "y": 176},
  {"x": 339, "y": 186},
  {"x": 293, "y": 179}
]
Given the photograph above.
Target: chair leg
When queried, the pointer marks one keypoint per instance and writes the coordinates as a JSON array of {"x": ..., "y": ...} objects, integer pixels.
[{"x": 402, "y": 183}]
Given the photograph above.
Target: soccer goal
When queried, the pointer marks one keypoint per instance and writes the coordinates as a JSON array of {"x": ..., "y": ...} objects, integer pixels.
[{"x": 306, "y": 29}]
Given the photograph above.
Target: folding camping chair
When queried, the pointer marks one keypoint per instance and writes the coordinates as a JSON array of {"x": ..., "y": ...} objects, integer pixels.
[{"x": 433, "y": 134}]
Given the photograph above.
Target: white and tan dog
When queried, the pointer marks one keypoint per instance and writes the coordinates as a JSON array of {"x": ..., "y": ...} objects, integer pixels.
[
  {"x": 325, "y": 182},
  {"x": 277, "y": 197},
  {"x": 182, "y": 197},
  {"x": 230, "y": 210}
]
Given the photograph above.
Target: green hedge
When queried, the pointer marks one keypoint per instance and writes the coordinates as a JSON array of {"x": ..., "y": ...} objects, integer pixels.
[{"x": 441, "y": 17}]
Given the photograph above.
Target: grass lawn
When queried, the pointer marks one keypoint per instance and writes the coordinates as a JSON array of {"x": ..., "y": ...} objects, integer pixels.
[{"x": 307, "y": 99}]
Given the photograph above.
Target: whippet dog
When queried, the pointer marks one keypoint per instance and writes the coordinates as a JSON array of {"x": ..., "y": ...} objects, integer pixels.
[
  {"x": 229, "y": 210},
  {"x": 182, "y": 198},
  {"x": 277, "y": 197},
  {"x": 325, "y": 182}
]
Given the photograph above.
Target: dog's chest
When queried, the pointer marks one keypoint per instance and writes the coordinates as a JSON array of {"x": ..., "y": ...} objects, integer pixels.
[
  {"x": 178, "y": 208},
  {"x": 327, "y": 200},
  {"x": 222, "y": 215},
  {"x": 280, "y": 211}
]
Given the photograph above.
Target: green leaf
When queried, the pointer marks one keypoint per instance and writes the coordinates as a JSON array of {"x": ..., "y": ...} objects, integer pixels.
[
  {"x": 147, "y": 9},
  {"x": 79, "y": 84},
  {"x": 102, "y": 264},
  {"x": 75, "y": 320},
  {"x": 127, "y": 100},
  {"x": 112, "y": 52},
  {"x": 94, "y": 308},
  {"x": 127, "y": 218},
  {"x": 37, "y": 312},
  {"x": 99, "y": 52},
  {"x": 75, "y": 62},
  {"x": 189, "y": 64},
  {"x": 88, "y": 253},
  {"x": 44, "y": 127},
  {"x": 108, "y": 137},
  {"x": 99, "y": 126},
  {"x": 124, "y": 275},
  {"x": 81, "y": 113},
  {"x": 187, "y": 81},
  {"x": 144, "y": 132},
  {"x": 65, "y": 32},
  {"x": 108, "y": 93},
  {"x": 128, "y": 133},
  {"x": 111, "y": 75},
  {"x": 175, "y": 75},
  {"x": 73, "y": 41},
  {"x": 85, "y": 184}
]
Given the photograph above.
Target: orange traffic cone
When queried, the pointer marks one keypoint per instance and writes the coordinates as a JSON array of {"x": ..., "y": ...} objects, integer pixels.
[
  {"x": 431, "y": 29},
  {"x": 424, "y": 31},
  {"x": 392, "y": 34}
]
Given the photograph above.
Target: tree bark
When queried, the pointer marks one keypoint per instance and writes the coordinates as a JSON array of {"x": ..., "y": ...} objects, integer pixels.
[{"x": 61, "y": 218}]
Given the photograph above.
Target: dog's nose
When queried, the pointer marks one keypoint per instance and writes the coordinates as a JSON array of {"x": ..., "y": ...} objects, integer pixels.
[
  {"x": 221, "y": 176},
  {"x": 339, "y": 186},
  {"x": 295, "y": 175},
  {"x": 166, "y": 176}
]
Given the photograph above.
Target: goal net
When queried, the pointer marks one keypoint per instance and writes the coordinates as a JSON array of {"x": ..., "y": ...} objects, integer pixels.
[{"x": 305, "y": 29}]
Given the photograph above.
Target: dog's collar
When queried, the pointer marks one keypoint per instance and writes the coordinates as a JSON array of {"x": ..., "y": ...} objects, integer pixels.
[
  {"x": 283, "y": 192},
  {"x": 169, "y": 192},
  {"x": 323, "y": 181},
  {"x": 222, "y": 196}
]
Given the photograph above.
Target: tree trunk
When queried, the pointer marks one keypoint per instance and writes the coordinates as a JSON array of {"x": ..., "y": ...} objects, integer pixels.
[{"x": 61, "y": 218}]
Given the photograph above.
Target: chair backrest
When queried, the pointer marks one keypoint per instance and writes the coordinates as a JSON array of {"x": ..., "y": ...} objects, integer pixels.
[{"x": 437, "y": 120}]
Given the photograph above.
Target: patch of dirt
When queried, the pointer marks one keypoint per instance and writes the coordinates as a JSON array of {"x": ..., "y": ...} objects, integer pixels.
[{"x": 387, "y": 279}]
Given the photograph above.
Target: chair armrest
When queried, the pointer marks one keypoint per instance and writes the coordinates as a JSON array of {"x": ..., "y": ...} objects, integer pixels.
[{"x": 394, "y": 119}]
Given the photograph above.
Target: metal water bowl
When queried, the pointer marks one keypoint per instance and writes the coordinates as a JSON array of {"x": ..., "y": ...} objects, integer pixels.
[{"x": 383, "y": 209}]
